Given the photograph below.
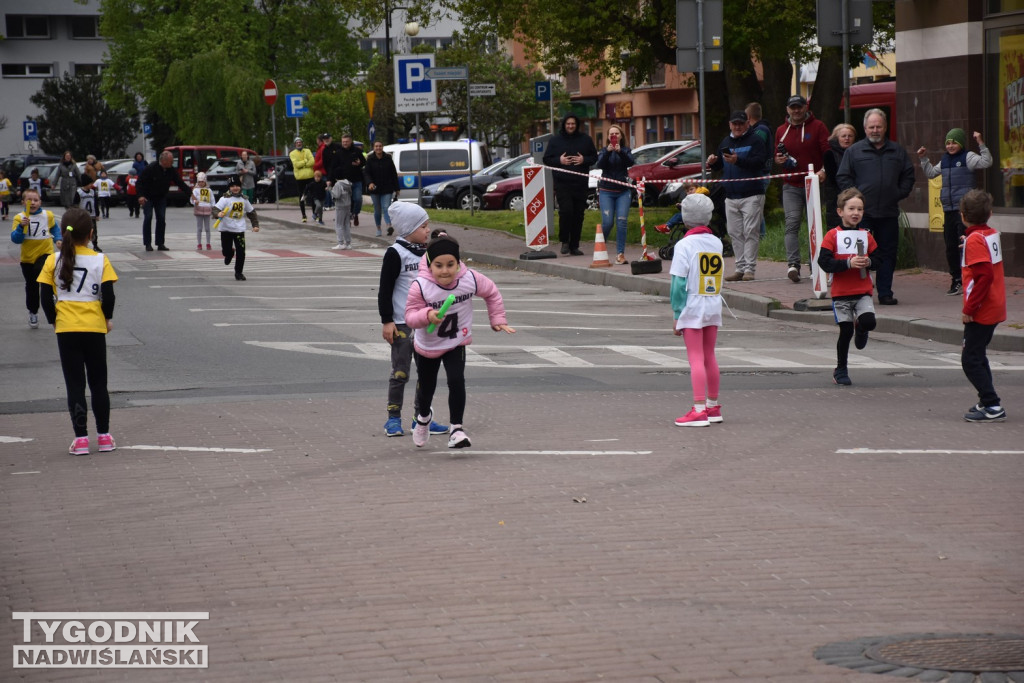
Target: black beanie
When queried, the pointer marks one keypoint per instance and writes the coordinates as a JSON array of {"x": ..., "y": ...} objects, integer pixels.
[{"x": 442, "y": 245}]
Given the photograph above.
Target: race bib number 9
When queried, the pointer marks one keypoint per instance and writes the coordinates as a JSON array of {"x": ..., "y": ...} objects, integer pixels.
[
  {"x": 994, "y": 248},
  {"x": 852, "y": 243},
  {"x": 710, "y": 282}
]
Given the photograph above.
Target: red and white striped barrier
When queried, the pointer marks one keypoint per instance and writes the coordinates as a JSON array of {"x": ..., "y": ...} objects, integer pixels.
[{"x": 538, "y": 206}]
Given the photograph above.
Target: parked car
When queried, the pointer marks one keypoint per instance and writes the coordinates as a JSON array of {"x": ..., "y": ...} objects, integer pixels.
[
  {"x": 681, "y": 162},
  {"x": 508, "y": 194},
  {"x": 652, "y": 151},
  {"x": 14, "y": 165},
  {"x": 455, "y": 194}
]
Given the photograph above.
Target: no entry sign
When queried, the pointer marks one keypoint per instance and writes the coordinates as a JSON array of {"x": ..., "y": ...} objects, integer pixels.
[{"x": 270, "y": 92}]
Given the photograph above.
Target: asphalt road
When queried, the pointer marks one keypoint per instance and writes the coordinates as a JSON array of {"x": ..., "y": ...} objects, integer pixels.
[{"x": 582, "y": 538}]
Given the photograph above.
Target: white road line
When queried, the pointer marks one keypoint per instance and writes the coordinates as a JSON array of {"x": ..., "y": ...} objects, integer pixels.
[
  {"x": 559, "y": 357},
  {"x": 273, "y": 298},
  {"x": 206, "y": 285},
  {"x": 13, "y": 439},
  {"x": 476, "y": 452},
  {"x": 646, "y": 354},
  {"x": 921, "y": 451},
  {"x": 195, "y": 449},
  {"x": 35, "y": 472},
  {"x": 617, "y": 316}
]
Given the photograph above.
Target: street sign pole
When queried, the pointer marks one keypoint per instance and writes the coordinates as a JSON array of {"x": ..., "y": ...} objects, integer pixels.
[{"x": 469, "y": 136}]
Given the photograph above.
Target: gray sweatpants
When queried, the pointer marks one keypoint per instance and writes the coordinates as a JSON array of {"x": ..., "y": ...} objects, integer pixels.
[
  {"x": 342, "y": 222},
  {"x": 743, "y": 221}
]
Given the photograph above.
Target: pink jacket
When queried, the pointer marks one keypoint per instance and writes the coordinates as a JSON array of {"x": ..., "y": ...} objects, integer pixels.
[{"x": 416, "y": 307}]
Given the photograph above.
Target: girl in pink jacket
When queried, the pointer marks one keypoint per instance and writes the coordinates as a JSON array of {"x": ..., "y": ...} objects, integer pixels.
[{"x": 443, "y": 338}]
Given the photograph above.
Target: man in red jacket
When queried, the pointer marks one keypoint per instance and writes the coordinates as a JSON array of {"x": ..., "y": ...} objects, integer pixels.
[{"x": 801, "y": 140}]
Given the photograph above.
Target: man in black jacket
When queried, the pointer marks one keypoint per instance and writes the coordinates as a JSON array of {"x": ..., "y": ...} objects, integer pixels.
[
  {"x": 571, "y": 150},
  {"x": 152, "y": 187},
  {"x": 348, "y": 164},
  {"x": 884, "y": 173}
]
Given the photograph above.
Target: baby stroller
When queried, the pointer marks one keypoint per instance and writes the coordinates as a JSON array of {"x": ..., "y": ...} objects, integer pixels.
[
  {"x": 675, "y": 228},
  {"x": 265, "y": 188}
]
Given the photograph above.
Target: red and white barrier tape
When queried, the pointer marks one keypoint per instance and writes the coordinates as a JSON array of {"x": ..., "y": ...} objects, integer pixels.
[{"x": 685, "y": 181}]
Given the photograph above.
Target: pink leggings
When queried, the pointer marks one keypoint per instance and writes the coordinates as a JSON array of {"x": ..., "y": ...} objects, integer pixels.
[{"x": 700, "y": 351}]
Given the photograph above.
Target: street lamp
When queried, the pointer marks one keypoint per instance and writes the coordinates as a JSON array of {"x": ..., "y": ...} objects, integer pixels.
[{"x": 411, "y": 29}]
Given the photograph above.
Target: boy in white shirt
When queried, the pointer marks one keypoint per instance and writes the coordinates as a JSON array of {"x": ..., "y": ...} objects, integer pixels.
[{"x": 232, "y": 209}]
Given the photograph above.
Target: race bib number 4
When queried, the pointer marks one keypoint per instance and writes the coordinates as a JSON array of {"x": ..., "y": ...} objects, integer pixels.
[{"x": 710, "y": 282}]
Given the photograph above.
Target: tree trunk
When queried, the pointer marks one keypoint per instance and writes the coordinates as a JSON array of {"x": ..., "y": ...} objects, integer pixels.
[{"x": 828, "y": 88}]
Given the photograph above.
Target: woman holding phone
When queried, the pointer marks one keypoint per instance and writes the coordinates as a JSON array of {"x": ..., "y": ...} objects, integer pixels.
[{"x": 614, "y": 189}]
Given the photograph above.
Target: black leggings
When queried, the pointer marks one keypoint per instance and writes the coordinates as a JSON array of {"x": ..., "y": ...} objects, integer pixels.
[
  {"x": 426, "y": 382},
  {"x": 84, "y": 354},
  {"x": 31, "y": 272},
  {"x": 865, "y": 322},
  {"x": 233, "y": 243}
]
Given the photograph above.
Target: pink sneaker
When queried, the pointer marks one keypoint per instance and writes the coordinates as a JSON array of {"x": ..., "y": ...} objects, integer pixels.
[
  {"x": 714, "y": 414},
  {"x": 199, "y": 247},
  {"x": 106, "y": 443},
  {"x": 80, "y": 446},
  {"x": 693, "y": 419},
  {"x": 208, "y": 247},
  {"x": 421, "y": 430}
]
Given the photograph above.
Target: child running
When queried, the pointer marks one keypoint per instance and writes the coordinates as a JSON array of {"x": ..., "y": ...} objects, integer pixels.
[
  {"x": 846, "y": 254},
  {"x": 87, "y": 201},
  {"x": 442, "y": 274},
  {"x": 77, "y": 290},
  {"x": 202, "y": 203},
  {"x": 984, "y": 290},
  {"x": 398, "y": 271},
  {"x": 6, "y": 194},
  {"x": 104, "y": 190},
  {"x": 232, "y": 209},
  {"x": 37, "y": 232},
  {"x": 696, "y": 296}
]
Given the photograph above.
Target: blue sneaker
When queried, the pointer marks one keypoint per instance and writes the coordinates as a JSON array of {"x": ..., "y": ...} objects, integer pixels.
[
  {"x": 434, "y": 427},
  {"x": 393, "y": 427}
]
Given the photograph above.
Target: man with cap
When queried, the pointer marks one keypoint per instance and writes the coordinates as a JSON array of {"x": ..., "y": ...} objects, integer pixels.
[
  {"x": 957, "y": 169},
  {"x": 883, "y": 172},
  {"x": 399, "y": 268},
  {"x": 800, "y": 141},
  {"x": 302, "y": 165},
  {"x": 741, "y": 157}
]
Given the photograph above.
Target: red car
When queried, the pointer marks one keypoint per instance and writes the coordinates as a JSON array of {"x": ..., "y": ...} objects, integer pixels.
[
  {"x": 505, "y": 194},
  {"x": 681, "y": 162}
]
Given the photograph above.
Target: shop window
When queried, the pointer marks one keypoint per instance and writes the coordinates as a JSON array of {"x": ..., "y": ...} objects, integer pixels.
[{"x": 1004, "y": 56}]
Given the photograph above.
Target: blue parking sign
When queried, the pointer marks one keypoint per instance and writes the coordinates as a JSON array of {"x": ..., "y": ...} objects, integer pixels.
[
  {"x": 542, "y": 90},
  {"x": 414, "y": 90},
  {"x": 30, "y": 131},
  {"x": 295, "y": 106}
]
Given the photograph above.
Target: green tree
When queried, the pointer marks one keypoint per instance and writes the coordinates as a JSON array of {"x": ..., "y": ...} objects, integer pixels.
[
  {"x": 76, "y": 117},
  {"x": 501, "y": 120},
  {"x": 603, "y": 37},
  {"x": 200, "y": 64}
]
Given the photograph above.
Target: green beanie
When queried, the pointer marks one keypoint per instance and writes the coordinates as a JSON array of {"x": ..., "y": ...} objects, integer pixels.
[{"x": 958, "y": 136}]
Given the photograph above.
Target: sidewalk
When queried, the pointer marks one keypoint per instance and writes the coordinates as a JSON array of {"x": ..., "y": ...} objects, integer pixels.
[{"x": 924, "y": 311}]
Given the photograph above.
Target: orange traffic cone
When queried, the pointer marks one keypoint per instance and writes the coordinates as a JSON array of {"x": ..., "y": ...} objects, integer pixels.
[{"x": 600, "y": 250}]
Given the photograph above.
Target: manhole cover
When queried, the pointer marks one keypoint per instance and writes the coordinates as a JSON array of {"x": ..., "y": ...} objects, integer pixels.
[
  {"x": 955, "y": 653},
  {"x": 993, "y": 658}
]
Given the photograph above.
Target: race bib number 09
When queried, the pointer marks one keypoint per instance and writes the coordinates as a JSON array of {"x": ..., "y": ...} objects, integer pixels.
[{"x": 710, "y": 282}]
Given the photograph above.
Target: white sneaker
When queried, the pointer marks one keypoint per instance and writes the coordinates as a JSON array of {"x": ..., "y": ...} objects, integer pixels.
[
  {"x": 458, "y": 439},
  {"x": 339, "y": 245},
  {"x": 421, "y": 432},
  {"x": 348, "y": 245},
  {"x": 33, "y": 320}
]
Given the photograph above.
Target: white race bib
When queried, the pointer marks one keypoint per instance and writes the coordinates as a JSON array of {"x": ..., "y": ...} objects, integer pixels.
[
  {"x": 852, "y": 243},
  {"x": 86, "y": 279}
]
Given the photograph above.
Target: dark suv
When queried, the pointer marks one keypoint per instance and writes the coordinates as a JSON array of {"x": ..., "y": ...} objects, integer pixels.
[{"x": 14, "y": 164}]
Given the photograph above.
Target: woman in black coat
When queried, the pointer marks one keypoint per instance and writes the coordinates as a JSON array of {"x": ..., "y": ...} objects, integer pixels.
[
  {"x": 380, "y": 178},
  {"x": 842, "y": 137}
]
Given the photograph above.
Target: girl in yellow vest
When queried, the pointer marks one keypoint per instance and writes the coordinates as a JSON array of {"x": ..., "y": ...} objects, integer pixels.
[{"x": 77, "y": 292}]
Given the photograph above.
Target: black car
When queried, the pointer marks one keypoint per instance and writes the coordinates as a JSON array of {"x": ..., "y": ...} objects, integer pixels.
[
  {"x": 50, "y": 196},
  {"x": 454, "y": 194},
  {"x": 15, "y": 164},
  {"x": 269, "y": 169}
]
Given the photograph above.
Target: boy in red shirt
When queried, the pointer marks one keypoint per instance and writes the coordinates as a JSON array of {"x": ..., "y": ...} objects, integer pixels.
[
  {"x": 984, "y": 292},
  {"x": 845, "y": 253}
]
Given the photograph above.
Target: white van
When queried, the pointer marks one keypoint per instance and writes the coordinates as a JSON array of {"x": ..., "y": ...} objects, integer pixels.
[{"x": 442, "y": 161}]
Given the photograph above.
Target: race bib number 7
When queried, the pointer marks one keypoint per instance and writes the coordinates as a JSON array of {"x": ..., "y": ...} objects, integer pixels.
[{"x": 710, "y": 282}]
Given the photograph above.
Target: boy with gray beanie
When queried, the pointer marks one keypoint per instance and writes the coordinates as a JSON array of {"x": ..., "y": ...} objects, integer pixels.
[{"x": 400, "y": 267}]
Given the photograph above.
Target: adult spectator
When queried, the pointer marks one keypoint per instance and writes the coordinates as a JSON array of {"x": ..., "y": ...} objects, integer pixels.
[
  {"x": 764, "y": 131},
  {"x": 571, "y": 150},
  {"x": 69, "y": 179},
  {"x": 152, "y": 187},
  {"x": 92, "y": 167},
  {"x": 318, "y": 160},
  {"x": 140, "y": 162},
  {"x": 329, "y": 151},
  {"x": 348, "y": 163},
  {"x": 799, "y": 142},
  {"x": 740, "y": 157},
  {"x": 884, "y": 173},
  {"x": 245, "y": 169},
  {"x": 842, "y": 137},
  {"x": 614, "y": 197},
  {"x": 381, "y": 178},
  {"x": 302, "y": 165}
]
